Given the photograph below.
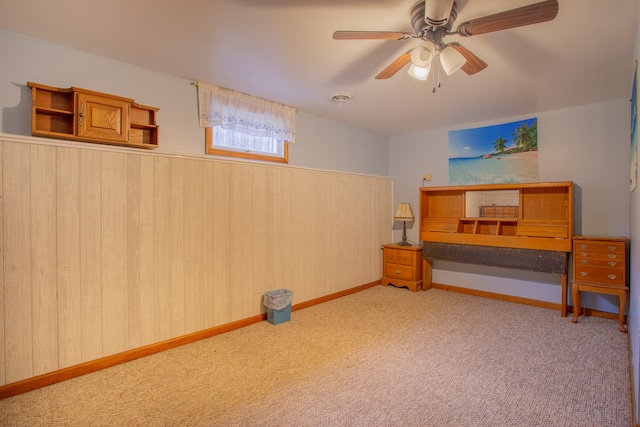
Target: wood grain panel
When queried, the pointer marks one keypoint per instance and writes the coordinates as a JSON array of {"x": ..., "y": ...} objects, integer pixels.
[
  {"x": 68, "y": 249},
  {"x": 16, "y": 180},
  {"x": 91, "y": 253},
  {"x": 193, "y": 246},
  {"x": 208, "y": 176},
  {"x": 177, "y": 248},
  {"x": 114, "y": 252},
  {"x": 220, "y": 218},
  {"x": 44, "y": 259},
  {"x": 133, "y": 194},
  {"x": 238, "y": 220},
  {"x": 145, "y": 260},
  {"x": 158, "y": 291}
]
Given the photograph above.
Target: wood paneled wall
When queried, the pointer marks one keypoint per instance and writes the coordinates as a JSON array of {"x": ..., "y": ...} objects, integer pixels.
[{"x": 106, "y": 250}]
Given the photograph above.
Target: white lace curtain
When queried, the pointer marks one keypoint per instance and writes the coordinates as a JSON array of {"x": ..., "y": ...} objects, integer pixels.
[{"x": 243, "y": 113}]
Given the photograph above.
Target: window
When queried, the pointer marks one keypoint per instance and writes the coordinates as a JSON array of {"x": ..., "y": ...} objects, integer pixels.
[
  {"x": 240, "y": 125},
  {"x": 223, "y": 142}
]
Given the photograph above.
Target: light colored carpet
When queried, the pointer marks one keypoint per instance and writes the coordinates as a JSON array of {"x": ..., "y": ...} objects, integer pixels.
[{"x": 382, "y": 357}]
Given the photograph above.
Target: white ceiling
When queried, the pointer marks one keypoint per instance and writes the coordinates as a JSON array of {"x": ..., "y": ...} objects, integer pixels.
[{"x": 283, "y": 50}]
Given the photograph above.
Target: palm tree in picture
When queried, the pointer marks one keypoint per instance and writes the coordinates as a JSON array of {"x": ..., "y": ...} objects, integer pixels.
[
  {"x": 500, "y": 144},
  {"x": 526, "y": 137}
]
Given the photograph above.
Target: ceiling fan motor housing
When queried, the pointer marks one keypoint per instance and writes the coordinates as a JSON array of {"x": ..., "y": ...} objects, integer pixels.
[
  {"x": 422, "y": 20},
  {"x": 437, "y": 12}
]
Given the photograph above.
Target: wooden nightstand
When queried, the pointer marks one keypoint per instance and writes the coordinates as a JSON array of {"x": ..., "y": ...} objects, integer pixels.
[
  {"x": 600, "y": 265},
  {"x": 402, "y": 266}
]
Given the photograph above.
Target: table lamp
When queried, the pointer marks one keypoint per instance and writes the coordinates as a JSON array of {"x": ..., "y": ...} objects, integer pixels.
[{"x": 404, "y": 214}]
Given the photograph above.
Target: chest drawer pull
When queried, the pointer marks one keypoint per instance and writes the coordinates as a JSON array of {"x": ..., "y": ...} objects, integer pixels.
[
  {"x": 612, "y": 276},
  {"x": 404, "y": 258},
  {"x": 397, "y": 271},
  {"x": 584, "y": 261},
  {"x": 584, "y": 246},
  {"x": 583, "y": 273},
  {"x": 390, "y": 256},
  {"x": 612, "y": 248},
  {"x": 612, "y": 263},
  {"x": 584, "y": 253},
  {"x": 613, "y": 256}
]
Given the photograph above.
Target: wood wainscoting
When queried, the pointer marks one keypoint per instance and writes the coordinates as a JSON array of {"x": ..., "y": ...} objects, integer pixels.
[{"x": 106, "y": 250}]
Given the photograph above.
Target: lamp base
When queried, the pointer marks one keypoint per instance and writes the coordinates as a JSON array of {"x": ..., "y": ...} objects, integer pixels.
[{"x": 404, "y": 235}]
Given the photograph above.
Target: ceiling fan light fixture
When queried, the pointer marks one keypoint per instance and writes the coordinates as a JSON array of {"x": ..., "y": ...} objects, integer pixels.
[
  {"x": 451, "y": 60},
  {"x": 419, "y": 73},
  {"x": 422, "y": 55}
]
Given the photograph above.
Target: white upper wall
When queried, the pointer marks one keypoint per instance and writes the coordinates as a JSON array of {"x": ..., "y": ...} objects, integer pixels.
[{"x": 320, "y": 143}]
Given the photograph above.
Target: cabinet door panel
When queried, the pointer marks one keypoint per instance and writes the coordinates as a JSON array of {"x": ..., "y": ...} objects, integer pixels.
[{"x": 103, "y": 118}]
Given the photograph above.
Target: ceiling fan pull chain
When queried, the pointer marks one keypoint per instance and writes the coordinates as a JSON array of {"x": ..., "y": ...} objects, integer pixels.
[{"x": 436, "y": 72}]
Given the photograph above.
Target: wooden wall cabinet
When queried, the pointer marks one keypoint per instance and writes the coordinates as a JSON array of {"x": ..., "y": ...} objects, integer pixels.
[
  {"x": 83, "y": 115},
  {"x": 526, "y": 215}
]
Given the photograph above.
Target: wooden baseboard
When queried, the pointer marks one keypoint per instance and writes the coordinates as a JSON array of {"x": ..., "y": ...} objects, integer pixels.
[
  {"x": 525, "y": 301},
  {"x": 50, "y": 378}
]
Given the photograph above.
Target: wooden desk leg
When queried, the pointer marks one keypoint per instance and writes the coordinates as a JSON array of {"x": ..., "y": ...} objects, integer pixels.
[
  {"x": 623, "y": 304},
  {"x": 426, "y": 274},
  {"x": 563, "y": 307},
  {"x": 575, "y": 294}
]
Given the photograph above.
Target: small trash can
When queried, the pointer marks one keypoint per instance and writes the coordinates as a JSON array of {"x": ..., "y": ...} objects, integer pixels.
[{"x": 278, "y": 304}]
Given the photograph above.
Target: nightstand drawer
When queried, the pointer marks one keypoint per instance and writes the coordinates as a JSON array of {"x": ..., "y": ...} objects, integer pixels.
[
  {"x": 605, "y": 276},
  {"x": 396, "y": 256},
  {"x": 398, "y": 271},
  {"x": 613, "y": 256},
  {"x": 592, "y": 262},
  {"x": 604, "y": 247}
]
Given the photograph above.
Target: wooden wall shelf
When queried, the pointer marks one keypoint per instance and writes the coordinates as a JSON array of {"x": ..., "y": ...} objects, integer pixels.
[{"x": 84, "y": 115}]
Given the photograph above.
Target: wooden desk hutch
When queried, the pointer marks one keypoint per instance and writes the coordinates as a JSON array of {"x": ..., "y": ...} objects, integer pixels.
[{"x": 527, "y": 226}]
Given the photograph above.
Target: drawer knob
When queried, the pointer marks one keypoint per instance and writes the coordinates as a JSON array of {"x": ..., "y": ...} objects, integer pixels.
[
  {"x": 583, "y": 273},
  {"x": 583, "y": 246},
  {"x": 397, "y": 271},
  {"x": 584, "y": 253},
  {"x": 584, "y": 261},
  {"x": 613, "y": 256},
  {"x": 612, "y": 276},
  {"x": 404, "y": 258},
  {"x": 390, "y": 256},
  {"x": 612, "y": 248},
  {"x": 612, "y": 263}
]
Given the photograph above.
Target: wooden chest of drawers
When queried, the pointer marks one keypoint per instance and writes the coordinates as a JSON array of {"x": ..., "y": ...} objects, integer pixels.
[
  {"x": 402, "y": 266},
  {"x": 600, "y": 265}
]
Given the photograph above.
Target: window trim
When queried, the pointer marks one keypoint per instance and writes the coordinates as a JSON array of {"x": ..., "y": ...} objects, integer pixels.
[{"x": 210, "y": 149}]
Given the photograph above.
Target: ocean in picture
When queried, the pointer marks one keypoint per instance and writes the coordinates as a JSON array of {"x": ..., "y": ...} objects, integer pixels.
[
  {"x": 503, "y": 169},
  {"x": 500, "y": 154}
]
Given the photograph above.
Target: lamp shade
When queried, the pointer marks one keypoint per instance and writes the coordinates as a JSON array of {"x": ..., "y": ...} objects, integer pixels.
[
  {"x": 451, "y": 60},
  {"x": 422, "y": 56},
  {"x": 419, "y": 73},
  {"x": 403, "y": 213}
]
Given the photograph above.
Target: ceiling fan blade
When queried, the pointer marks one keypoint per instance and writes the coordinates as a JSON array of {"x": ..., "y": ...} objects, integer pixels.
[
  {"x": 395, "y": 66},
  {"x": 473, "y": 64},
  {"x": 527, "y": 15},
  {"x": 372, "y": 35}
]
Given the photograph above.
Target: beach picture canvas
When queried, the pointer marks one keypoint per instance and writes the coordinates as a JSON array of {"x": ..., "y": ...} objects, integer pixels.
[{"x": 499, "y": 154}]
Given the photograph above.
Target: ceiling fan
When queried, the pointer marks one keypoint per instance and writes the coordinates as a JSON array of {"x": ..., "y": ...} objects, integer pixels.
[{"x": 432, "y": 21}]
